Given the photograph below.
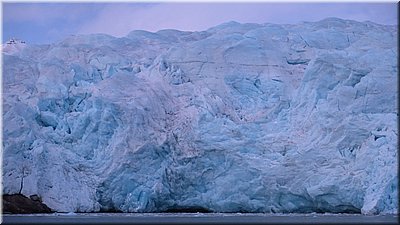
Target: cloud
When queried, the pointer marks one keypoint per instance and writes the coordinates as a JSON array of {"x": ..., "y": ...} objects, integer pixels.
[
  {"x": 119, "y": 19},
  {"x": 25, "y": 12},
  {"x": 46, "y": 13},
  {"x": 47, "y": 22}
]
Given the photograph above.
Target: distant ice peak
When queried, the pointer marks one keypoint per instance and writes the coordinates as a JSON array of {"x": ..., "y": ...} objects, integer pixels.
[
  {"x": 15, "y": 41},
  {"x": 12, "y": 46}
]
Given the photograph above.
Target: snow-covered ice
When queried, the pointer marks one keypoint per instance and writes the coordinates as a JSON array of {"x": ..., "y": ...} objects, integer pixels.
[
  {"x": 13, "y": 46},
  {"x": 237, "y": 118}
]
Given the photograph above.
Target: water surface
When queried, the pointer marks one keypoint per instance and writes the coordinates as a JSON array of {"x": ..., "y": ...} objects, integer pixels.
[{"x": 196, "y": 218}]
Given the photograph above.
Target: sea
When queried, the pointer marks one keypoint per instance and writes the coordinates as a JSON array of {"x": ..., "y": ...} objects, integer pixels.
[{"x": 197, "y": 218}]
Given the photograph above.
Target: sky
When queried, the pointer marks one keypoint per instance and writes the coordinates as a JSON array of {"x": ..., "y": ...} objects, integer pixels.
[{"x": 43, "y": 23}]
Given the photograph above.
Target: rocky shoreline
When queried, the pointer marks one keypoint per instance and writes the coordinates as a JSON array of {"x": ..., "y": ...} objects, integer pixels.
[{"x": 18, "y": 203}]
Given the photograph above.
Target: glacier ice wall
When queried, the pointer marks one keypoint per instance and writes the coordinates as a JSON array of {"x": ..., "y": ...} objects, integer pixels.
[{"x": 237, "y": 118}]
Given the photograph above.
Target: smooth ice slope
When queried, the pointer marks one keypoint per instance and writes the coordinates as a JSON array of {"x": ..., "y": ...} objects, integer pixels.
[{"x": 237, "y": 118}]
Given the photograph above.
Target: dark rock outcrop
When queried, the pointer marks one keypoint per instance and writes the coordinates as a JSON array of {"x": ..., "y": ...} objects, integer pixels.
[{"x": 18, "y": 203}]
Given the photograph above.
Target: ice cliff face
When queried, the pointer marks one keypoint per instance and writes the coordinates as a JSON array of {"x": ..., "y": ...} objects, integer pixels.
[{"x": 237, "y": 118}]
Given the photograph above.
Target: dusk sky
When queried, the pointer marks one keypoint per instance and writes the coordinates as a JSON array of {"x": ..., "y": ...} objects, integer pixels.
[{"x": 40, "y": 23}]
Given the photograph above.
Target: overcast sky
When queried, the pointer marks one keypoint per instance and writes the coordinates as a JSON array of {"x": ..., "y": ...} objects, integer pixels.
[{"x": 49, "y": 22}]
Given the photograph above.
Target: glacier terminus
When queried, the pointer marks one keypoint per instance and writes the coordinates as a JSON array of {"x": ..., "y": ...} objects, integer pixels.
[{"x": 288, "y": 118}]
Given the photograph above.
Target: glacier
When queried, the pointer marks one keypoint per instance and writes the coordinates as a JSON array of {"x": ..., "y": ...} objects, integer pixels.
[{"x": 274, "y": 118}]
